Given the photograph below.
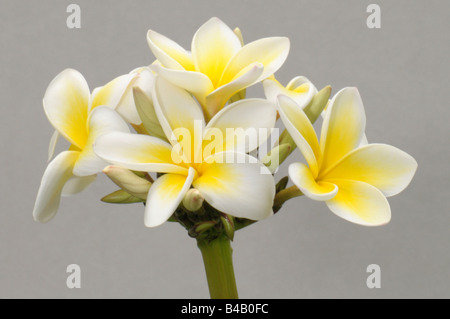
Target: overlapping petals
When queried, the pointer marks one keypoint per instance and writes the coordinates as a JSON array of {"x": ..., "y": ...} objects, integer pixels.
[
  {"x": 218, "y": 66},
  {"x": 353, "y": 178},
  {"x": 80, "y": 119},
  {"x": 220, "y": 182}
]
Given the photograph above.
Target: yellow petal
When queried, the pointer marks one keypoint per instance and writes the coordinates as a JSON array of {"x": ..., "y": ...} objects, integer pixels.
[
  {"x": 300, "y": 89},
  {"x": 169, "y": 53},
  {"x": 360, "y": 203},
  {"x": 180, "y": 116},
  {"x": 102, "y": 120},
  {"x": 164, "y": 196},
  {"x": 219, "y": 97},
  {"x": 213, "y": 46},
  {"x": 343, "y": 126},
  {"x": 301, "y": 131},
  {"x": 57, "y": 173},
  {"x": 242, "y": 189},
  {"x": 383, "y": 166},
  {"x": 137, "y": 152},
  {"x": 195, "y": 82},
  {"x": 270, "y": 52},
  {"x": 111, "y": 93},
  {"x": 303, "y": 178},
  {"x": 66, "y": 104}
]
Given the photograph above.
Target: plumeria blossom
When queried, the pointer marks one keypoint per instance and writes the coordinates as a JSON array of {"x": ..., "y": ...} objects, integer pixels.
[
  {"x": 218, "y": 65},
  {"x": 353, "y": 180},
  {"x": 80, "y": 118},
  {"x": 300, "y": 89},
  {"x": 238, "y": 189}
]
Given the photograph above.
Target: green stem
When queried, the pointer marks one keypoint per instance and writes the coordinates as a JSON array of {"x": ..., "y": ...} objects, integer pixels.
[{"x": 217, "y": 257}]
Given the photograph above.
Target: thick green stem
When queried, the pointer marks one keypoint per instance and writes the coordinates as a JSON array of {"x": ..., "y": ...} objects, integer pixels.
[{"x": 217, "y": 257}]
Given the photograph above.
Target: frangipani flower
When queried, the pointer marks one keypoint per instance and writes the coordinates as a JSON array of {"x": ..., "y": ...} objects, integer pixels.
[
  {"x": 80, "y": 119},
  {"x": 300, "y": 89},
  {"x": 237, "y": 189},
  {"x": 218, "y": 65},
  {"x": 353, "y": 180}
]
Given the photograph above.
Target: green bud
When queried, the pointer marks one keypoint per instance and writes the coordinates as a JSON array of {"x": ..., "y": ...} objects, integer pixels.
[
  {"x": 146, "y": 111},
  {"x": 276, "y": 156},
  {"x": 282, "y": 183},
  {"x": 120, "y": 197},
  {"x": 201, "y": 227},
  {"x": 317, "y": 104},
  {"x": 128, "y": 181},
  {"x": 228, "y": 225},
  {"x": 193, "y": 200}
]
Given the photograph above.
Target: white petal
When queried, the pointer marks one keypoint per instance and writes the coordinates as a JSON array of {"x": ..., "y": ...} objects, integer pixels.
[
  {"x": 270, "y": 52},
  {"x": 77, "y": 184},
  {"x": 52, "y": 145},
  {"x": 301, "y": 131},
  {"x": 58, "y": 171},
  {"x": 213, "y": 46},
  {"x": 299, "y": 89},
  {"x": 383, "y": 166},
  {"x": 343, "y": 126},
  {"x": 253, "y": 118},
  {"x": 66, "y": 104},
  {"x": 164, "y": 196},
  {"x": 303, "y": 178},
  {"x": 195, "y": 82},
  {"x": 137, "y": 152},
  {"x": 111, "y": 93},
  {"x": 144, "y": 79},
  {"x": 360, "y": 203},
  {"x": 168, "y": 52},
  {"x": 101, "y": 121},
  {"x": 217, "y": 99},
  {"x": 244, "y": 189},
  {"x": 180, "y": 116}
]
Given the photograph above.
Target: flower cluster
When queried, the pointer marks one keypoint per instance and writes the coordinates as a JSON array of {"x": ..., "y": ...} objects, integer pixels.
[{"x": 187, "y": 120}]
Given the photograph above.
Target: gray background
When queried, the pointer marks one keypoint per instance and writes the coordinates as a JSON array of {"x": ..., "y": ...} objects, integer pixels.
[{"x": 402, "y": 71}]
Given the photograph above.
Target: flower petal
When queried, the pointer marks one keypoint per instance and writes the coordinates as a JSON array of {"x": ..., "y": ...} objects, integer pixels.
[
  {"x": 213, "y": 46},
  {"x": 271, "y": 52},
  {"x": 52, "y": 145},
  {"x": 195, "y": 82},
  {"x": 303, "y": 178},
  {"x": 137, "y": 152},
  {"x": 300, "y": 89},
  {"x": 77, "y": 184},
  {"x": 360, "y": 203},
  {"x": 165, "y": 195},
  {"x": 250, "y": 118},
  {"x": 343, "y": 126},
  {"x": 168, "y": 52},
  {"x": 66, "y": 106},
  {"x": 58, "y": 171},
  {"x": 102, "y": 120},
  {"x": 111, "y": 93},
  {"x": 301, "y": 131},
  {"x": 143, "y": 79},
  {"x": 217, "y": 99},
  {"x": 180, "y": 116},
  {"x": 383, "y": 166},
  {"x": 244, "y": 189}
]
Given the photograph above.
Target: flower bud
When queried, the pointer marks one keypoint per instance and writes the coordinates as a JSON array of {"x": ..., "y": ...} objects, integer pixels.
[
  {"x": 193, "y": 200},
  {"x": 317, "y": 104},
  {"x": 276, "y": 156},
  {"x": 228, "y": 225},
  {"x": 120, "y": 197},
  {"x": 128, "y": 181}
]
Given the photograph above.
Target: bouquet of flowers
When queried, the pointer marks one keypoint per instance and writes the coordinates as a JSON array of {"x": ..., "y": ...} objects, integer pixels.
[{"x": 182, "y": 137}]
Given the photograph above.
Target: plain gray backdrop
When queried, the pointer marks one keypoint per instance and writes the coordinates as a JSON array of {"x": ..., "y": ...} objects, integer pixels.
[{"x": 402, "y": 71}]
